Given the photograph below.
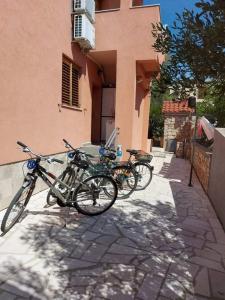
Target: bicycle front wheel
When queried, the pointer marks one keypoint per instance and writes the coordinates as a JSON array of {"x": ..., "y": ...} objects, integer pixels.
[
  {"x": 16, "y": 208},
  {"x": 144, "y": 173},
  {"x": 95, "y": 195}
]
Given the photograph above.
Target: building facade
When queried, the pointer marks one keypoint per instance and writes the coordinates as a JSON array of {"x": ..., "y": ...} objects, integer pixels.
[{"x": 52, "y": 89}]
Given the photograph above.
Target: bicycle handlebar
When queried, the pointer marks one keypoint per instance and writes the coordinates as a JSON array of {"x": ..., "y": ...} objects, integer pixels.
[
  {"x": 109, "y": 149},
  {"x": 68, "y": 144},
  {"x": 57, "y": 160},
  {"x": 21, "y": 144},
  {"x": 77, "y": 150},
  {"x": 49, "y": 160}
]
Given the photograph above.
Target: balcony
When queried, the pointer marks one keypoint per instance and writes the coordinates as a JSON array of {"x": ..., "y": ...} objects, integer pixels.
[
  {"x": 142, "y": 3},
  {"x": 122, "y": 28},
  {"x": 107, "y": 5}
]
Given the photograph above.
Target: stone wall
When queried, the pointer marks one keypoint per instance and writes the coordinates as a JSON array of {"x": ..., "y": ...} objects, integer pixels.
[
  {"x": 177, "y": 126},
  {"x": 202, "y": 163},
  {"x": 12, "y": 175}
]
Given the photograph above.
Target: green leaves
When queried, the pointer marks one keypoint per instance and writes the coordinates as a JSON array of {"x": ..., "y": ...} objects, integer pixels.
[{"x": 196, "y": 47}]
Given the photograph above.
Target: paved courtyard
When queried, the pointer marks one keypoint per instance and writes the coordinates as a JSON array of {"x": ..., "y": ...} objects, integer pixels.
[{"x": 162, "y": 243}]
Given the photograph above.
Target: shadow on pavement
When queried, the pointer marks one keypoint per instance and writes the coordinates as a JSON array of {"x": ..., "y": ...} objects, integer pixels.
[{"x": 142, "y": 248}]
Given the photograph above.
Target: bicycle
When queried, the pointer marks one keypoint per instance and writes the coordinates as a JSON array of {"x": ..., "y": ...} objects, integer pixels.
[
  {"x": 140, "y": 165},
  {"x": 124, "y": 176},
  {"x": 85, "y": 196}
]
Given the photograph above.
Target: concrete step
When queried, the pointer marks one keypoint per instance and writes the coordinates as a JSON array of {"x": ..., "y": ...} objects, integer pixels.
[{"x": 90, "y": 149}]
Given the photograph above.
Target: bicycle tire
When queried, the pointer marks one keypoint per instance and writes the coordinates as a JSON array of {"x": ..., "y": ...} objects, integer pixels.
[
  {"x": 125, "y": 190},
  {"x": 16, "y": 199},
  {"x": 52, "y": 199},
  {"x": 148, "y": 169},
  {"x": 91, "y": 190}
]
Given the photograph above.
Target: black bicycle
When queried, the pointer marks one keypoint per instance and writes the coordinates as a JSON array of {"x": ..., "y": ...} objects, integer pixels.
[
  {"x": 124, "y": 176},
  {"x": 142, "y": 167},
  {"x": 92, "y": 196},
  {"x": 139, "y": 161}
]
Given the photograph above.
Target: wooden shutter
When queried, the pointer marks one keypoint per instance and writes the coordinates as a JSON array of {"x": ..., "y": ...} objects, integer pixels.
[
  {"x": 75, "y": 87},
  {"x": 70, "y": 83},
  {"x": 65, "y": 83}
]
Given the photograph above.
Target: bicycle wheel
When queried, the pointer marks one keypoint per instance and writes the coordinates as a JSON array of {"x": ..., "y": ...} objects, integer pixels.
[
  {"x": 144, "y": 173},
  {"x": 90, "y": 197},
  {"x": 126, "y": 180},
  {"x": 67, "y": 177},
  {"x": 16, "y": 208}
]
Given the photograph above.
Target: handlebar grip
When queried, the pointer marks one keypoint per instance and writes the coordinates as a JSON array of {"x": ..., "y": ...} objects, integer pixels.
[
  {"x": 68, "y": 144},
  {"x": 65, "y": 141},
  {"x": 21, "y": 144},
  {"x": 58, "y": 161}
]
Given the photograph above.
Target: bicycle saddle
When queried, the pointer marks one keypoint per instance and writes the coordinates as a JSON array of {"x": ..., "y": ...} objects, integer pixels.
[{"x": 132, "y": 151}]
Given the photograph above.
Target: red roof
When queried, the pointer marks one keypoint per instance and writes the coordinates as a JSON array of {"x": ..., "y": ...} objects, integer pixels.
[{"x": 176, "y": 107}]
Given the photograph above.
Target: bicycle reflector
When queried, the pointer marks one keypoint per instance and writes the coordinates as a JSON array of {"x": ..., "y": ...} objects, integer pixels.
[
  {"x": 31, "y": 164},
  {"x": 71, "y": 154}
]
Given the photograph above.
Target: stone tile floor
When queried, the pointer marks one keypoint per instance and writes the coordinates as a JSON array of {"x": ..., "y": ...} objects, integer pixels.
[{"x": 162, "y": 243}]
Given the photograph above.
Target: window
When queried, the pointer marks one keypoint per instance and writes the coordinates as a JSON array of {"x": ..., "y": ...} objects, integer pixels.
[
  {"x": 106, "y": 5},
  {"x": 77, "y": 4},
  {"x": 70, "y": 83}
]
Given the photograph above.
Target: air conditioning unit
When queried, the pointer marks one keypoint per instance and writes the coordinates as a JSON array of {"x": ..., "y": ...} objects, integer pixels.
[
  {"x": 83, "y": 32},
  {"x": 85, "y": 6}
]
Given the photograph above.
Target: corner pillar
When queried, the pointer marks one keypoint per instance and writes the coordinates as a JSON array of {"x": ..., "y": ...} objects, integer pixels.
[{"x": 125, "y": 99}]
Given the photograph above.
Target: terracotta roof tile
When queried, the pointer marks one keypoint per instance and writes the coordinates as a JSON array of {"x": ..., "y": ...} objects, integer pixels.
[{"x": 176, "y": 107}]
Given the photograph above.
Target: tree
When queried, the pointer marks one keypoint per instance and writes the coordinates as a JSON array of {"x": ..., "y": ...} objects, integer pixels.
[
  {"x": 212, "y": 107},
  {"x": 196, "y": 47},
  {"x": 159, "y": 93}
]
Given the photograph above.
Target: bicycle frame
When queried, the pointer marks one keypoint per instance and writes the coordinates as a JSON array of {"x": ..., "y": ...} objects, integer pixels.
[{"x": 41, "y": 172}]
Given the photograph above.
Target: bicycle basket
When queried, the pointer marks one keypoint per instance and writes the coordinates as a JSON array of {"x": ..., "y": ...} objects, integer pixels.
[{"x": 143, "y": 156}]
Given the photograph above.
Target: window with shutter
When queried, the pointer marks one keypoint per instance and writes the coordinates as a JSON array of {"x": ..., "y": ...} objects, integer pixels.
[{"x": 70, "y": 83}]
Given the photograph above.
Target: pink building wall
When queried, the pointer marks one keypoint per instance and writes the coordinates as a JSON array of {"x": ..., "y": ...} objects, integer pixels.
[
  {"x": 128, "y": 32},
  {"x": 33, "y": 37}
]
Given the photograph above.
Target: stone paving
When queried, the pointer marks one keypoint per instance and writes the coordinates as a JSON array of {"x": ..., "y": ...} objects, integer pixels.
[{"x": 163, "y": 243}]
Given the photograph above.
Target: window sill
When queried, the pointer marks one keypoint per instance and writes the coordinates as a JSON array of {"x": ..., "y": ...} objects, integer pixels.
[
  {"x": 107, "y": 10},
  {"x": 70, "y": 107},
  {"x": 144, "y": 6}
]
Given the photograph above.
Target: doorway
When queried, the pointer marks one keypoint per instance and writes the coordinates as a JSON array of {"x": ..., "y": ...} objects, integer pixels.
[{"x": 107, "y": 113}]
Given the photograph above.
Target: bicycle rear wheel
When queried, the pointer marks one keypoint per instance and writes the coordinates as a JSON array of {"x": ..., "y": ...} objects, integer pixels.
[
  {"x": 144, "y": 173},
  {"x": 90, "y": 197},
  {"x": 126, "y": 180},
  {"x": 16, "y": 208}
]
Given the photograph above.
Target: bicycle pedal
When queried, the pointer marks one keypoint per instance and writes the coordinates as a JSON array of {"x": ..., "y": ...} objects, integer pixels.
[{"x": 60, "y": 203}]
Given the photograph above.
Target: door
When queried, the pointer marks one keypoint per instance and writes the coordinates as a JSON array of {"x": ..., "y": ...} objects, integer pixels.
[{"x": 108, "y": 113}]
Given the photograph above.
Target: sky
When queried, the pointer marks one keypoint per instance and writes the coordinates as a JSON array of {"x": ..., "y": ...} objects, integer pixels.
[{"x": 170, "y": 7}]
